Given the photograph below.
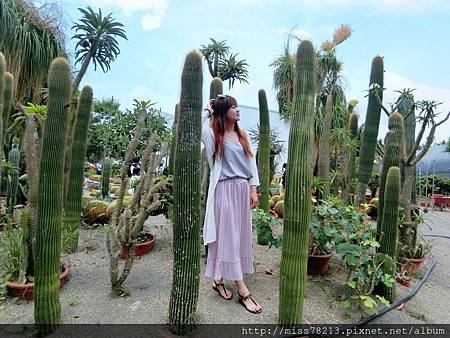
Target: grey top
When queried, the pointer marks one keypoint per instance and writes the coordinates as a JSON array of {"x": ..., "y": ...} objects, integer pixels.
[{"x": 235, "y": 163}]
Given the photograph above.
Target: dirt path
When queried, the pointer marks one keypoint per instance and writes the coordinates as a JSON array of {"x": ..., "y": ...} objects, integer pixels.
[{"x": 85, "y": 297}]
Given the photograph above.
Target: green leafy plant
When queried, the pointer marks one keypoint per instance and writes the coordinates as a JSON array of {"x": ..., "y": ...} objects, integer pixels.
[
  {"x": 13, "y": 254},
  {"x": 365, "y": 268},
  {"x": 325, "y": 227},
  {"x": 263, "y": 224}
]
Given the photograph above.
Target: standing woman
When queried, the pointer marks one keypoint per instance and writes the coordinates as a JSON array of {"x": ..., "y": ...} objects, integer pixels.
[{"x": 232, "y": 193}]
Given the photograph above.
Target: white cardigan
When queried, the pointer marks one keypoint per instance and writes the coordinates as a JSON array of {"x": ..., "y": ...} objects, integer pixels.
[{"x": 209, "y": 227}]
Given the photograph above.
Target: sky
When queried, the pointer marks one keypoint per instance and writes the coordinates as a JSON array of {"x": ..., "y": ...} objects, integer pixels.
[{"x": 411, "y": 35}]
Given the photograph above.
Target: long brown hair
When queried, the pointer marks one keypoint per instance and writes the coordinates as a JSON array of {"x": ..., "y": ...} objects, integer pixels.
[{"x": 220, "y": 106}]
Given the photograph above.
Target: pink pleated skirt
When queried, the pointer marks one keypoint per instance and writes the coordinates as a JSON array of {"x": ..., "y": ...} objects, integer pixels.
[{"x": 231, "y": 255}]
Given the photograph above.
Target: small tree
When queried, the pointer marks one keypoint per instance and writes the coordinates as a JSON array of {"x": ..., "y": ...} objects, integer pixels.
[{"x": 223, "y": 64}]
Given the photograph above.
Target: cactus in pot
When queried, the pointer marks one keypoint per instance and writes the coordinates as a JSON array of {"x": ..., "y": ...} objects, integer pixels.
[{"x": 293, "y": 267}]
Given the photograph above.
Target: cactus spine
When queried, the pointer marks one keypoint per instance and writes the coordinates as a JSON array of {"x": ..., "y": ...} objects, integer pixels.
[
  {"x": 72, "y": 208},
  {"x": 47, "y": 308},
  {"x": 11, "y": 189},
  {"x": 388, "y": 244},
  {"x": 370, "y": 133},
  {"x": 186, "y": 224},
  {"x": 173, "y": 144},
  {"x": 106, "y": 174},
  {"x": 298, "y": 189},
  {"x": 264, "y": 155},
  {"x": 392, "y": 153}
]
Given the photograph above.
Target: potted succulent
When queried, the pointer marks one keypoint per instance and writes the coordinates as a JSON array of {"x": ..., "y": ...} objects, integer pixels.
[
  {"x": 325, "y": 233},
  {"x": 145, "y": 242},
  {"x": 14, "y": 261}
]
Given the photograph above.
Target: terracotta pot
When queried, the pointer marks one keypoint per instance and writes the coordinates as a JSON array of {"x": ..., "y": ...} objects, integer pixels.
[
  {"x": 318, "y": 265},
  {"x": 25, "y": 291},
  {"x": 141, "y": 248},
  {"x": 404, "y": 282},
  {"x": 411, "y": 265}
]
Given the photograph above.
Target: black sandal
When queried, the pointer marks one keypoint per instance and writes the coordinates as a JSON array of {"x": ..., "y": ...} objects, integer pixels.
[
  {"x": 242, "y": 299},
  {"x": 216, "y": 287}
]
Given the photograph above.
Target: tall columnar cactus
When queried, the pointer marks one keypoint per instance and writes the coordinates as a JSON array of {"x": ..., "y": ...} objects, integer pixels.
[
  {"x": 11, "y": 189},
  {"x": 388, "y": 243},
  {"x": 216, "y": 87},
  {"x": 8, "y": 88},
  {"x": 393, "y": 150},
  {"x": 72, "y": 208},
  {"x": 47, "y": 308},
  {"x": 106, "y": 174},
  {"x": 2, "y": 73},
  {"x": 406, "y": 109},
  {"x": 186, "y": 223},
  {"x": 264, "y": 155},
  {"x": 298, "y": 189},
  {"x": 350, "y": 165},
  {"x": 173, "y": 144},
  {"x": 32, "y": 145},
  {"x": 370, "y": 133}
]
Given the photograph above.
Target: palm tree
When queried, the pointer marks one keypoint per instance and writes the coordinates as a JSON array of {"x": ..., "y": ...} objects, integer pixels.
[
  {"x": 30, "y": 38},
  {"x": 331, "y": 94},
  {"x": 283, "y": 80},
  {"x": 223, "y": 64},
  {"x": 96, "y": 41}
]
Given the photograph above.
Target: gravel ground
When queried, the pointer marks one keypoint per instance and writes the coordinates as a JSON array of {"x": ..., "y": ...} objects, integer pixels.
[{"x": 85, "y": 298}]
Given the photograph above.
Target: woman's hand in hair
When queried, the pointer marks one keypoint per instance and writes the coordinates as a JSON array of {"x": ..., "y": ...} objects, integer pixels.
[{"x": 253, "y": 197}]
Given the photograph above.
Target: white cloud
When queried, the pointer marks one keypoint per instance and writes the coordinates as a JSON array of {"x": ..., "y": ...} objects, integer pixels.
[
  {"x": 153, "y": 10},
  {"x": 384, "y": 5},
  {"x": 222, "y": 31}
]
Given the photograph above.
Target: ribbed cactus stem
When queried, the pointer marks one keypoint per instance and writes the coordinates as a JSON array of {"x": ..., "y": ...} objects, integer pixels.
[
  {"x": 353, "y": 126},
  {"x": 370, "y": 133},
  {"x": 173, "y": 144},
  {"x": 2, "y": 73},
  {"x": 350, "y": 161},
  {"x": 106, "y": 175},
  {"x": 72, "y": 208},
  {"x": 32, "y": 144},
  {"x": 392, "y": 153},
  {"x": 388, "y": 243},
  {"x": 8, "y": 88},
  {"x": 298, "y": 190},
  {"x": 186, "y": 224},
  {"x": 11, "y": 190},
  {"x": 216, "y": 87},
  {"x": 47, "y": 308},
  {"x": 264, "y": 156}
]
